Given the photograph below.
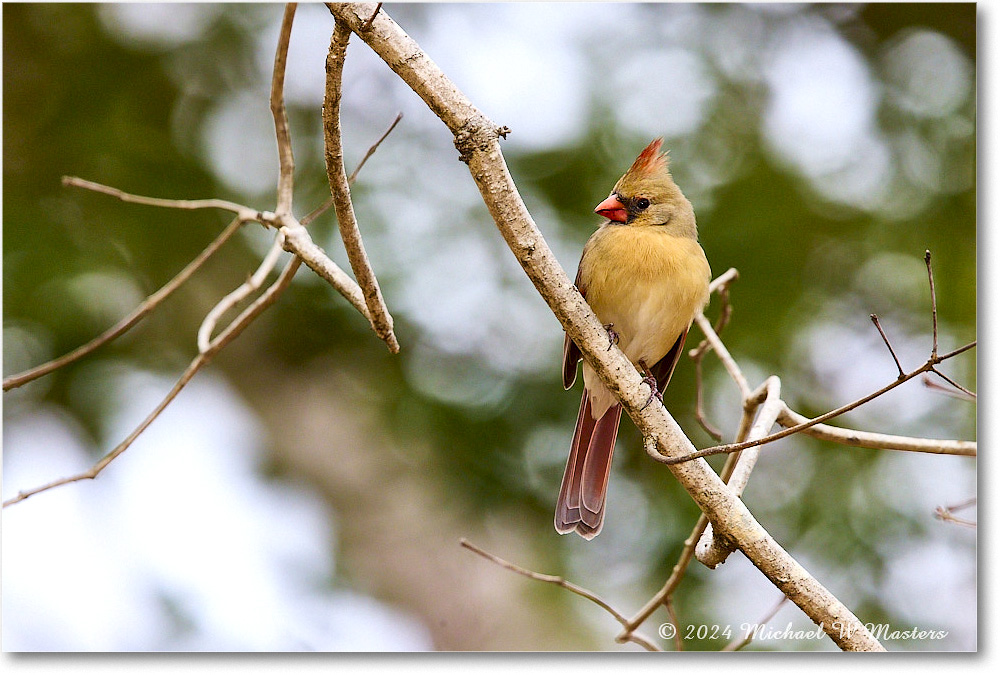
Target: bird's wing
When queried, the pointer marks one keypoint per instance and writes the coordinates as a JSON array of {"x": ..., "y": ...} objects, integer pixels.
[
  {"x": 664, "y": 368},
  {"x": 571, "y": 353}
]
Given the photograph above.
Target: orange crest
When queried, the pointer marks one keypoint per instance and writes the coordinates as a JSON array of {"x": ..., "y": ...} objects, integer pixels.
[{"x": 650, "y": 160}]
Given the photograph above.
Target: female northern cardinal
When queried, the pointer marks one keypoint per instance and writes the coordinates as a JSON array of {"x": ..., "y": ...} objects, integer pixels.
[{"x": 645, "y": 276}]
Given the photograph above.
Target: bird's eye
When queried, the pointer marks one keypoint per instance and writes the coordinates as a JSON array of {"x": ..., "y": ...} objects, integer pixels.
[{"x": 642, "y": 203}]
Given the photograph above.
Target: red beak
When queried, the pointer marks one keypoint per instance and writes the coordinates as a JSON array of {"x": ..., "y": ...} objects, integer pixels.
[{"x": 612, "y": 209}]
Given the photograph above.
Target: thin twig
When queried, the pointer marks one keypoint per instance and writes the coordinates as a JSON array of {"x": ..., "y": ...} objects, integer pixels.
[
  {"x": 381, "y": 320},
  {"x": 298, "y": 241},
  {"x": 242, "y": 292},
  {"x": 697, "y": 354},
  {"x": 941, "y": 513},
  {"x": 737, "y": 645},
  {"x": 723, "y": 449},
  {"x": 668, "y": 602},
  {"x": 672, "y": 582},
  {"x": 699, "y": 398},
  {"x": 325, "y": 206},
  {"x": 680, "y": 567},
  {"x": 930, "y": 280},
  {"x": 946, "y": 513},
  {"x": 144, "y": 308},
  {"x": 227, "y": 336},
  {"x": 368, "y": 24},
  {"x": 967, "y": 392},
  {"x": 373, "y": 148},
  {"x": 341, "y": 281},
  {"x": 874, "y": 318},
  {"x": 559, "y": 581},
  {"x": 728, "y": 362},
  {"x": 242, "y": 212},
  {"x": 286, "y": 161}
]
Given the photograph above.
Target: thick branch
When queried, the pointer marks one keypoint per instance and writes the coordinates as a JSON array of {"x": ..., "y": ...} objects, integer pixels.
[
  {"x": 381, "y": 320},
  {"x": 713, "y": 551},
  {"x": 298, "y": 241},
  {"x": 476, "y": 138}
]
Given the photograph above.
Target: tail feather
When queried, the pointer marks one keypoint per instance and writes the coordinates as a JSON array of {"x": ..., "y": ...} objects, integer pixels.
[{"x": 582, "y": 496}]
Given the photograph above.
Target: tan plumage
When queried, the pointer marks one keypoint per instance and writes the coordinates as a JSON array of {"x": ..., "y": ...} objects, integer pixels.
[{"x": 644, "y": 273}]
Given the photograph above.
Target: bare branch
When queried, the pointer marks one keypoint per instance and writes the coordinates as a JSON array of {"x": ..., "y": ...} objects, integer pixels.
[
  {"x": 954, "y": 352},
  {"x": 147, "y": 306},
  {"x": 368, "y": 23},
  {"x": 790, "y": 418},
  {"x": 242, "y": 292},
  {"x": 712, "y": 550},
  {"x": 930, "y": 280},
  {"x": 946, "y": 513},
  {"x": 668, "y": 602},
  {"x": 373, "y": 148},
  {"x": 967, "y": 392},
  {"x": 876, "y": 441},
  {"x": 559, "y": 581},
  {"x": 378, "y": 313},
  {"x": 671, "y": 584},
  {"x": 227, "y": 336},
  {"x": 298, "y": 241},
  {"x": 737, "y": 645},
  {"x": 699, "y": 396},
  {"x": 720, "y": 285},
  {"x": 286, "y": 161},
  {"x": 680, "y": 567},
  {"x": 242, "y": 212},
  {"x": 728, "y": 362},
  {"x": 874, "y": 318},
  {"x": 947, "y": 391},
  {"x": 735, "y": 447},
  {"x": 325, "y": 206}
]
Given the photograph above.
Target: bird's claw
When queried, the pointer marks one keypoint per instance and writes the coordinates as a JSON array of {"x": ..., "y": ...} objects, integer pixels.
[
  {"x": 650, "y": 381},
  {"x": 613, "y": 336}
]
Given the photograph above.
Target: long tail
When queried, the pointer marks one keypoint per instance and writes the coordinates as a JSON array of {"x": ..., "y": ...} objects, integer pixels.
[{"x": 585, "y": 483}]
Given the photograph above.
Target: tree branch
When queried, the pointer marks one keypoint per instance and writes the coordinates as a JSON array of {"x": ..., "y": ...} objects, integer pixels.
[
  {"x": 736, "y": 447},
  {"x": 711, "y": 550},
  {"x": 286, "y": 161},
  {"x": 139, "y": 313},
  {"x": 242, "y": 212},
  {"x": 237, "y": 327},
  {"x": 242, "y": 292},
  {"x": 378, "y": 313},
  {"x": 477, "y": 140},
  {"x": 562, "y": 583}
]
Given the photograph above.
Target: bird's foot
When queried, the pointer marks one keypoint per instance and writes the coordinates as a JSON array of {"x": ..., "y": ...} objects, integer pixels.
[
  {"x": 613, "y": 336},
  {"x": 653, "y": 391},
  {"x": 649, "y": 380}
]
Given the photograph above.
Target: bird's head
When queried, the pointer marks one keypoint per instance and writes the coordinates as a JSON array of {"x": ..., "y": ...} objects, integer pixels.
[{"x": 647, "y": 196}]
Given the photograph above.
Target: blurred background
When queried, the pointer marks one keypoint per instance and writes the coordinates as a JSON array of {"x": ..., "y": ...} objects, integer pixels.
[{"x": 308, "y": 490}]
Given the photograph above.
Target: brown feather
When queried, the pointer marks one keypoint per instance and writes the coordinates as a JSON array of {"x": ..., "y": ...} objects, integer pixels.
[{"x": 583, "y": 492}]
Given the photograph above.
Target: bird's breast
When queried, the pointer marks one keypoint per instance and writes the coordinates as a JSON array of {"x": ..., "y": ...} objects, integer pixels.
[{"x": 646, "y": 282}]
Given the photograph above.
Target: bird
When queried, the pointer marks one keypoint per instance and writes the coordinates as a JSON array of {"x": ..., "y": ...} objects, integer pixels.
[{"x": 645, "y": 275}]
